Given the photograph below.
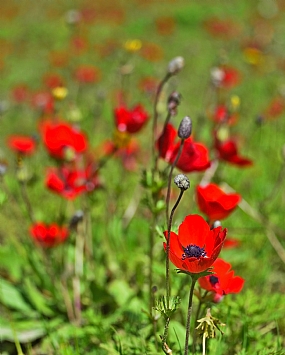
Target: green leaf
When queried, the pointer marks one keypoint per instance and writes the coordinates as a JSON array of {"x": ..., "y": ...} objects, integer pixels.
[
  {"x": 37, "y": 299},
  {"x": 12, "y": 298},
  {"x": 25, "y": 336},
  {"x": 8, "y": 253}
]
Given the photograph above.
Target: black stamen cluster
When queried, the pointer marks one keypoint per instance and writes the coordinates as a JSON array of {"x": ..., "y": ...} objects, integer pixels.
[
  {"x": 213, "y": 280},
  {"x": 193, "y": 251}
]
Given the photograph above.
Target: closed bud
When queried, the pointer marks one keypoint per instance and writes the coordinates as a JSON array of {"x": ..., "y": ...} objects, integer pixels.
[
  {"x": 217, "y": 76},
  {"x": 173, "y": 102},
  {"x": 185, "y": 128},
  {"x": 182, "y": 182},
  {"x": 75, "y": 219},
  {"x": 175, "y": 65},
  {"x": 216, "y": 224},
  {"x": 72, "y": 17}
]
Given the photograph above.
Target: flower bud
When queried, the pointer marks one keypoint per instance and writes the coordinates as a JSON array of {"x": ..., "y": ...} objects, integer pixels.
[
  {"x": 185, "y": 128},
  {"x": 217, "y": 76},
  {"x": 175, "y": 65},
  {"x": 182, "y": 182},
  {"x": 72, "y": 17},
  {"x": 75, "y": 219},
  {"x": 216, "y": 224},
  {"x": 173, "y": 102}
]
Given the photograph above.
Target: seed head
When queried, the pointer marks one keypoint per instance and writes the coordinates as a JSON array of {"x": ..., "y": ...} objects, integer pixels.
[
  {"x": 182, "y": 182},
  {"x": 185, "y": 128},
  {"x": 175, "y": 65}
]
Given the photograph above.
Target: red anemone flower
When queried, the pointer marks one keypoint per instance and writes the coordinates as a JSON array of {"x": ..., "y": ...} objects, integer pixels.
[
  {"x": 48, "y": 235},
  {"x": 215, "y": 203},
  {"x": 20, "y": 93},
  {"x": 225, "y": 77},
  {"x": 52, "y": 80},
  {"x": 221, "y": 28},
  {"x": 222, "y": 282},
  {"x": 130, "y": 121},
  {"x": 227, "y": 151},
  {"x": 275, "y": 108},
  {"x": 87, "y": 74},
  {"x": 128, "y": 153},
  {"x": 223, "y": 115},
  {"x": 70, "y": 183},
  {"x": 231, "y": 243},
  {"x": 22, "y": 144},
  {"x": 196, "y": 246},
  {"x": 194, "y": 156},
  {"x": 60, "y": 136},
  {"x": 43, "y": 101}
]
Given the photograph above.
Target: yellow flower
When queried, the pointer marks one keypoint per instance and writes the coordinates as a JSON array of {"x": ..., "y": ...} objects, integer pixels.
[
  {"x": 133, "y": 45},
  {"x": 59, "y": 93},
  {"x": 121, "y": 139},
  {"x": 253, "y": 56},
  {"x": 235, "y": 102}
]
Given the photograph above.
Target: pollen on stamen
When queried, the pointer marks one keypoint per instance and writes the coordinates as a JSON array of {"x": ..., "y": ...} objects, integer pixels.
[{"x": 193, "y": 251}]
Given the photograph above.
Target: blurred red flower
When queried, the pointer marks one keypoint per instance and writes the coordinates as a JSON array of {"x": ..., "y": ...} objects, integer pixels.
[
  {"x": 275, "y": 108},
  {"x": 43, "y": 101},
  {"x": 132, "y": 120},
  {"x": 151, "y": 52},
  {"x": 127, "y": 153},
  {"x": 231, "y": 243},
  {"x": 215, "y": 203},
  {"x": 223, "y": 115},
  {"x": 70, "y": 183},
  {"x": 194, "y": 156},
  {"x": 59, "y": 58},
  {"x": 52, "y": 80},
  {"x": 87, "y": 74},
  {"x": 79, "y": 44},
  {"x": 20, "y": 93},
  {"x": 221, "y": 28},
  {"x": 58, "y": 137},
  {"x": 48, "y": 235},
  {"x": 225, "y": 76},
  {"x": 222, "y": 282},
  {"x": 148, "y": 85},
  {"x": 165, "y": 25},
  {"x": 231, "y": 77},
  {"x": 195, "y": 247},
  {"x": 22, "y": 144},
  {"x": 227, "y": 151}
]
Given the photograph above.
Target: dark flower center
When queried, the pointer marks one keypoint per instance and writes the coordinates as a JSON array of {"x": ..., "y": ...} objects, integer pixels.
[
  {"x": 213, "y": 280},
  {"x": 193, "y": 251}
]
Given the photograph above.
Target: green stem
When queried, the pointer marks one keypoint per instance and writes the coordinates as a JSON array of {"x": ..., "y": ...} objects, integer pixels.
[
  {"x": 155, "y": 117},
  {"x": 167, "y": 280},
  {"x": 150, "y": 253},
  {"x": 78, "y": 270},
  {"x": 165, "y": 347},
  {"x": 27, "y": 201},
  {"x": 189, "y": 313},
  {"x": 195, "y": 321},
  {"x": 170, "y": 179}
]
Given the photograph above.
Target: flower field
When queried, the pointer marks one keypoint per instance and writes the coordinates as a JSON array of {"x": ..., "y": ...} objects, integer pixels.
[{"x": 142, "y": 169}]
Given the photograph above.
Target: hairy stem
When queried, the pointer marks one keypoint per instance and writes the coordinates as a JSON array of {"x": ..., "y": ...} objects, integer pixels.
[
  {"x": 189, "y": 313},
  {"x": 167, "y": 278},
  {"x": 170, "y": 179}
]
